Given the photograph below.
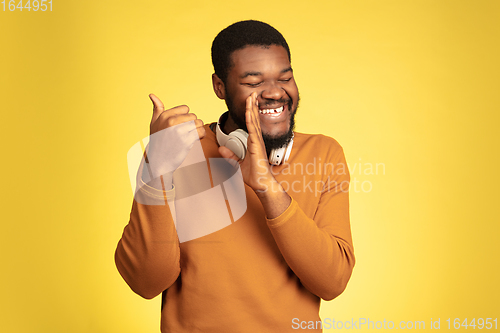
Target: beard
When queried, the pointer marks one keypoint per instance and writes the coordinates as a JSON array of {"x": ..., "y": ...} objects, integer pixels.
[{"x": 271, "y": 141}]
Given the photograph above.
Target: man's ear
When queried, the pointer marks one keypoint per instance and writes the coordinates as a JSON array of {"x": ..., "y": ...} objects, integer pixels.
[{"x": 219, "y": 88}]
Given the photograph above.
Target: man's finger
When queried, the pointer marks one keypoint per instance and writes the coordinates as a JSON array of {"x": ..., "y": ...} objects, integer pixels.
[
  {"x": 255, "y": 112},
  {"x": 229, "y": 155},
  {"x": 178, "y": 110},
  {"x": 251, "y": 110},
  {"x": 157, "y": 103},
  {"x": 159, "y": 117},
  {"x": 199, "y": 126},
  {"x": 158, "y": 107},
  {"x": 201, "y": 132},
  {"x": 249, "y": 115},
  {"x": 176, "y": 116}
]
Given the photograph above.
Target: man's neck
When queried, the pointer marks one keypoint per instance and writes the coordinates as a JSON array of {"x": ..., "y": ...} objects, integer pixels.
[{"x": 229, "y": 125}]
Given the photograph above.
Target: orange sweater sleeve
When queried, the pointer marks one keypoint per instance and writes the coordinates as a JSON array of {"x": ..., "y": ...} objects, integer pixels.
[
  {"x": 319, "y": 250},
  {"x": 148, "y": 254}
]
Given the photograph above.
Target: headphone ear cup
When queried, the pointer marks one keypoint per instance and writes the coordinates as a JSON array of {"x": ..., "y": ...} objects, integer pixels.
[{"x": 237, "y": 143}]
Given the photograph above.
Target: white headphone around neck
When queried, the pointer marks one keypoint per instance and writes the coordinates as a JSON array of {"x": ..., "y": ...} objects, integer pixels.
[{"x": 236, "y": 141}]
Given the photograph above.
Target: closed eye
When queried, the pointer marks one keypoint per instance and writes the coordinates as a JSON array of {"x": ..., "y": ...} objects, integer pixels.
[{"x": 253, "y": 84}]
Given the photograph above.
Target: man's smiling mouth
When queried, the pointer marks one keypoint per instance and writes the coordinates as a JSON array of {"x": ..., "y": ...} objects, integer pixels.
[{"x": 272, "y": 111}]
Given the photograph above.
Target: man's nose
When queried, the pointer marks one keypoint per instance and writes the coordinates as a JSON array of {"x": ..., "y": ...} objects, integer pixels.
[{"x": 273, "y": 91}]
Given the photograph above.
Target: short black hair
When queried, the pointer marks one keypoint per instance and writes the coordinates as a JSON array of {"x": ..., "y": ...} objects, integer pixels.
[{"x": 239, "y": 35}]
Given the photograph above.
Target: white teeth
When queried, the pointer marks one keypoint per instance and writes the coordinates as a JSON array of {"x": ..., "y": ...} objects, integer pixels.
[{"x": 266, "y": 111}]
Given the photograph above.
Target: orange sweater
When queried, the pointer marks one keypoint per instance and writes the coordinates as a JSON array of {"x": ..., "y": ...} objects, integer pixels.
[{"x": 255, "y": 275}]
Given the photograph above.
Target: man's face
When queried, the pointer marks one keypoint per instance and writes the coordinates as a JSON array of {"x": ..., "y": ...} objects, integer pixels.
[{"x": 267, "y": 71}]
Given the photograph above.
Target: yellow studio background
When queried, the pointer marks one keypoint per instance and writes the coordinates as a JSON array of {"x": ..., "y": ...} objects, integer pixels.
[{"x": 409, "y": 88}]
